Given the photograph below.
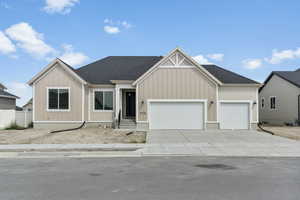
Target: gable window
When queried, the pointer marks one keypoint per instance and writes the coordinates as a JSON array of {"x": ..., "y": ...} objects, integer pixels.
[
  {"x": 272, "y": 103},
  {"x": 58, "y": 99},
  {"x": 103, "y": 100},
  {"x": 262, "y": 101}
]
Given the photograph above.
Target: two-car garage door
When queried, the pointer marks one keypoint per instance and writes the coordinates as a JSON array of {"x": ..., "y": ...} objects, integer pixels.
[
  {"x": 191, "y": 115},
  {"x": 176, "y": 115}
]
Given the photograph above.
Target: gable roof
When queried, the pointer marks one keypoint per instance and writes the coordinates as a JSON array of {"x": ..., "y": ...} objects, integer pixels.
[
  {"x": 2, "y": 86},
  {"x": 226, "y": 76},
  {"x": 117, "y": 68},
  {"x": 7, "y": 95},
  {"x": 64, "y": 65},
  {"x": 292, "y": 77}
]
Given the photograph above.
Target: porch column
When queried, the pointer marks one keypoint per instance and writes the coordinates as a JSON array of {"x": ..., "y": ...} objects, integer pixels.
[{"x": 117, "y": 96}]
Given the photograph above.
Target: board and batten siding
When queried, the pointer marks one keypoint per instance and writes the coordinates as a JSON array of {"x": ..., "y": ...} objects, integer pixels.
[
  {"x": 58, "y": 77},
  {"x": 176, "y": 83},
  {"x": 100, "y": 116},
  {"x": 237, "y": 93}
]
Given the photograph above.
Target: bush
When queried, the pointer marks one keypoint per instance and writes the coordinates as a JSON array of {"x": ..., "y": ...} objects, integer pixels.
[{"x": 14, "y": 126}]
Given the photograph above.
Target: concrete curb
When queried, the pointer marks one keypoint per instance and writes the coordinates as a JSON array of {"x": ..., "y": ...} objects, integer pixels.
[{"x": 69, "y": 147}]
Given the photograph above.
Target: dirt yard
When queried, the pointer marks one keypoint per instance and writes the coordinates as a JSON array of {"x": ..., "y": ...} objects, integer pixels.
[
  {"x": 285, "y": 131},
  {"x": 82, "y": 136}
]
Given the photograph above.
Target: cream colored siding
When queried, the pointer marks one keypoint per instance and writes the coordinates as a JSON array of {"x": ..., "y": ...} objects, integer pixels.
[
  {"x": 176, "y": 83},
  {"x": 241, "y": 93},
  {"x": 104, "y": 116},
  {"x": 286, "y": 101},
  {"x": 58, "y": 77}
]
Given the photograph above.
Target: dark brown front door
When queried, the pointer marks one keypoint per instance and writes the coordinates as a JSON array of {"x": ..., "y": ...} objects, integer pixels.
[{"x": 130, "y": 104}]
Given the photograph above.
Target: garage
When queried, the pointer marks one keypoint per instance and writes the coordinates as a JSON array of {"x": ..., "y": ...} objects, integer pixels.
[
  {"x": 234, "y": 115},
  {"x": 176, "y": 114}
]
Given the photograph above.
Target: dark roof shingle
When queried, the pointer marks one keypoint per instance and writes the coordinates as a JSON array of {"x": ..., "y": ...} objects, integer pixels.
[
  {"x": 290, "y": 76},
  {"x": 226, "y": 76},
  {"x": 117, "y": 68},
  {"x": 7, "y": 94}
]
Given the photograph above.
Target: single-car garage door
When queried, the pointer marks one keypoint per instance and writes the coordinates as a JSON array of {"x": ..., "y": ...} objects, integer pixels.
[
  {"x": 234, "y": 115},
  {"x": 176, "y": 115}
]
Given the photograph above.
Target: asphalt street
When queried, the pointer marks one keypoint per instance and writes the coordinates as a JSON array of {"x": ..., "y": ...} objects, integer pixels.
[{"x": 146, "y": 178}]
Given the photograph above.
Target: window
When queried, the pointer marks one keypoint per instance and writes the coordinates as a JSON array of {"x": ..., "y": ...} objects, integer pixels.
[
  {"x": 58, "y": 99},
  {"x": 272, "y": 103},
  {"x": 103, "y": 100},
  {"x": 262, "y": 101}
]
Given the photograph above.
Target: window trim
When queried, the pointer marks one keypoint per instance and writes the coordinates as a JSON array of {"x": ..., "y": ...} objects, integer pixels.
[
  {"x": 262, "y": 100},
  {"x": 59, "y": 110},
  {"x": 103, "y": 90},
  {"x": 274, "y": 104}
]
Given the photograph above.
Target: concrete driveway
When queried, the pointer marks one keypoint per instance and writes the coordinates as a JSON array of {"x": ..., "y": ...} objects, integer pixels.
[
  {"x": 220, "y": 143},
  {"x": 213, "y": 136}
]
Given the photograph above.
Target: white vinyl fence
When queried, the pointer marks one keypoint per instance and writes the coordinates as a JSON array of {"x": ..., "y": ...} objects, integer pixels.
[
  {"x": 23, "y": 118},
  {"x": 9, "y": 117}
]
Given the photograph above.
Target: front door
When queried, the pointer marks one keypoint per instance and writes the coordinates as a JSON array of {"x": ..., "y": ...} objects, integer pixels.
[{"x": 130, "y": 104}]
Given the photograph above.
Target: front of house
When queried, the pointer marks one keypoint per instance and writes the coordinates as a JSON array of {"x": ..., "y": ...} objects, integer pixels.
[{"x": 152, "y": 92}]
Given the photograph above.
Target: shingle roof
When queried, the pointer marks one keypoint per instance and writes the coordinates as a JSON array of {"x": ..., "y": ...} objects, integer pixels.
[
  {"x": 117, "y": 68},
  {"x": 2, "y": 86},
  {"x": 132, "y": 67},
  {"x": 226, "y": 76},
  {"x": 7, "y": 94},
  {"x": 290, "y": 76}
]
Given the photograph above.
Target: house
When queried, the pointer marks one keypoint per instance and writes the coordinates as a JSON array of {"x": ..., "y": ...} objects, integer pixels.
[
  {"x": 280, "y": 98},
  {"x": 7, "y": 100},
  {"x": 150, "y": 92},
  {"x": 27, "y": 106},
  {"x": 7, "y": 107}
]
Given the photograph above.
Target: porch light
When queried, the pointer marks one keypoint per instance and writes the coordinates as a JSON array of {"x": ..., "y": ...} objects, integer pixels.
[
  {"x": 142, "y": 102},
  {"x": 211, "y": 102},
  {"x": 254, "y": 102}
]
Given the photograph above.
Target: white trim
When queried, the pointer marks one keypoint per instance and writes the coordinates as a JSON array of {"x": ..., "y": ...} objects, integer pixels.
[
  {"x": 136, "y": 103},
  {"x": 33, "y": 102},
  {"x": 212, "y": 122},
  {"x": 58, "y": 110},
  {"x": 89, "y": 104},
  {"x": 58, "y": 122},
  {"x": 241, "y": 101},
  {"x": 142, "y": 121},
  {"x": 103, "y": 90},
  {"x": 83, "y": 103},
  {"x": 272, "y": 109},
  {"x": 202, "y": 69},
  {"x": 99, "y": 121},
  {"x": 9, "y": 97},
  {"x": 217, "y": 104},
  {"x": 204, "y": 101},
  {"x": 177, "y": 67},
  {"x": 52, "y": 64}
]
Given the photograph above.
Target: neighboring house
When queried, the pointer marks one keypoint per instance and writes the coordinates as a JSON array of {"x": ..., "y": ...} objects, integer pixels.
[
  {"x": 28, "y": 106},
  {"x": 7, "y": 100},
  {"x": 154, "y": 92},
  {"x": 7, "y": 107},
  {"x": 280, "y": 98}
]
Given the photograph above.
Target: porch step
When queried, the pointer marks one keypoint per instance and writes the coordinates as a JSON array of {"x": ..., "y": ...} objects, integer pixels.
[{"x": 127, "y": 124}]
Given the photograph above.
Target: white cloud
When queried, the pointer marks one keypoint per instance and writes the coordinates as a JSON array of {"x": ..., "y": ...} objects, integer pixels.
[
  {"x": 252, "y": 63},
  {"x": 111, "y": 29},
  {"x": 59, "y": 6},
  {"x": 73, "y": 58},
  {"x": 20, "y": 89},
  {"x": 6, "y": 46},
  {"x": 216, "y": 56},
  {"x": 279, "y": 56},
  {"x": 201, "y": 59},
  {"x": 29, "y": 40},
  {"x": 114, "y": 27}
]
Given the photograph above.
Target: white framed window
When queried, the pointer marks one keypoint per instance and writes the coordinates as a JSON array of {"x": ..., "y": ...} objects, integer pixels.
[
  {"x": 262, "y": 102},
  {"x": 272, "y": 103},
  {"x": 58, "y": 99},
  {"x": 103, "y": 100}
]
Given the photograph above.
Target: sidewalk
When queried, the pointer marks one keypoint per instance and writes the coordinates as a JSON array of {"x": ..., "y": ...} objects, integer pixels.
[{"x": 239, "y": 149}]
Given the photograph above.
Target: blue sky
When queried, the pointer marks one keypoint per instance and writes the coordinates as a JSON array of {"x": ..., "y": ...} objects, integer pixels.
[{"x": 252, "y": 38}]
